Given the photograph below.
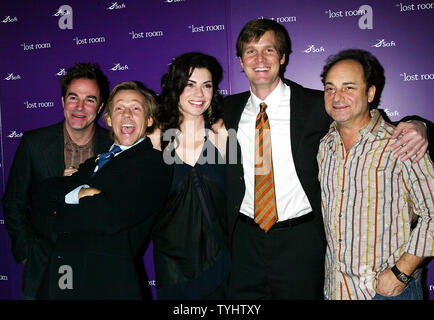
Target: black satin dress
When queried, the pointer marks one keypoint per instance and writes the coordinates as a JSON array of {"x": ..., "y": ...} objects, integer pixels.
[{"x": 191, "y": 259}]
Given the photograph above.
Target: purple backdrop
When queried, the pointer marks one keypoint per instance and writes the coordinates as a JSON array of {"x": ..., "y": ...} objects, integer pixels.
[{"x": 136, "y": 40}]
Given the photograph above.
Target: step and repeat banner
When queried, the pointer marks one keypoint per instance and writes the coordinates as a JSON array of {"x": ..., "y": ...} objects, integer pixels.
[{"x": 136, "y": 40}]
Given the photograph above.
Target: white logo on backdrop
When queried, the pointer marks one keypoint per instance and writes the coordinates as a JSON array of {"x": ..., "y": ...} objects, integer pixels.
[
  {"x": 390, "y": 113},
  {"x": 81, "y": 41},
  {"x": 42, "y": 104},
  {"x": 11, "y": 76},
  {"x": 119, "y": 67},
  {"x": 415, "y": 7},
  {"x": 116, "y": 6},
  {"x": 148, "y": 34},
  {"x": 65, "y": 17},
  {"x": 210, "y": 28},
  {"x": 15, "y": 134},
  {"x": 284, "y": 19},
  {"x": 366, "y": 21},
  {"x": 9, "y": 19},
  {"x": 172, "y": 1},
  {"x": 313, "y": 49},
  {"x": 61, "y": 72},
  {"x": 35, "y": 46},
  {"x": 382, "y": 43},
  {"x": 417, "y": 76}
]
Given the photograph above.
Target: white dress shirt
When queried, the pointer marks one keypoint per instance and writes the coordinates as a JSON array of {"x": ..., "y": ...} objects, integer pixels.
[{"x": 291, "y": 199}]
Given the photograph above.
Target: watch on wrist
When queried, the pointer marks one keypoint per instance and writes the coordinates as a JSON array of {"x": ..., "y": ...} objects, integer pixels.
[{"x": 400, "y": 275}]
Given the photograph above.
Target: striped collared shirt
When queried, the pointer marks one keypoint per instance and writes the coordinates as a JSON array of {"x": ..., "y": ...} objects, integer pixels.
[
  {"x": 370, "y": 203},
  {"x": 74, "y": 154}
]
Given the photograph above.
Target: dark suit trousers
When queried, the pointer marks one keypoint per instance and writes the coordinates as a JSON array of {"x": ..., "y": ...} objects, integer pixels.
[{"x": 284, "y": 263}]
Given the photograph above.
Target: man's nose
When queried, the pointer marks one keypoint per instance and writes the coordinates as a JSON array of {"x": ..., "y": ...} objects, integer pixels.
[
  {"x": 127, "y": 112},
  {"x": 338, "y": 95},
  {"x": 80, "y": 104},
  {"x": 261, "y": 56}
]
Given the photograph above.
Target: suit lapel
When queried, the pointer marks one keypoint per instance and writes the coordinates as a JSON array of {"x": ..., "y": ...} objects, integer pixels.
[
  {"x": 101, "y": 140},
  {"x": 236, "y": 108},
  {"x": 145, "y": 144},
  {"x": 296, "y": 117},
  {"x": 52, "y": 155}
]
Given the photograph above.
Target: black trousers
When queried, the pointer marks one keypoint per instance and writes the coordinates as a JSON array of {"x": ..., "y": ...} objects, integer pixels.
[{"x": 287, "y": 262}]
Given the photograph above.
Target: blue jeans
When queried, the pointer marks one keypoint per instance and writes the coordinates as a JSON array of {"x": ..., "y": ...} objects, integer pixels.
[{"x": 413, "y": 291}]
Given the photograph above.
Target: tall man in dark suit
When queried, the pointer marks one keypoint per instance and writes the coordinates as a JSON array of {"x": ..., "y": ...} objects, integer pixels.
[
  {"x": 285, "y": 261},
  {"x": 55, "y": 150}
]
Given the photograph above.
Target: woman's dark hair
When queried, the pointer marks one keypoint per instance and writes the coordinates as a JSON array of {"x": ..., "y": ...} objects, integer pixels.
[{"x": 174, "y": 82}]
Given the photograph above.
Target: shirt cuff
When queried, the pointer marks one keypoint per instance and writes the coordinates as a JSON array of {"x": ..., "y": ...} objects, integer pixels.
[{"x": 72, "y": 197}]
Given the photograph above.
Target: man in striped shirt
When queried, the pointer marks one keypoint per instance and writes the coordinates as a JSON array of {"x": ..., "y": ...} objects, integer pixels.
[{"x": 378, "y": 211}]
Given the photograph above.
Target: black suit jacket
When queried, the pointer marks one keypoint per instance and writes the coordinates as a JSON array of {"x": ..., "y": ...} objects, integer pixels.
[
  {"x": 98, "y": 237},
  {"x": 309, "y": 123},
  {"x": 40, "y": 154}
]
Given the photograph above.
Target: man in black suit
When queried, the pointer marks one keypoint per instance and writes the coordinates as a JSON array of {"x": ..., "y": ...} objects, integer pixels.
[
  {"x": 104, "y": 212},
  {"x": 286, "y": 261},
  {"x": 52, "y": 151}
]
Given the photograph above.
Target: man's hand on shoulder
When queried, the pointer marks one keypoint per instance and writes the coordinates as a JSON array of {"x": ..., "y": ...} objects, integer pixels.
[{"x": 412, "y": 140}]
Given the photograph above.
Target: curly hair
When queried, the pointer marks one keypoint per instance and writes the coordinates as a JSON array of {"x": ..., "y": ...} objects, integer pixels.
[
  {"x": 176, "y": 79},
  {"x": 373, "y": 71}
]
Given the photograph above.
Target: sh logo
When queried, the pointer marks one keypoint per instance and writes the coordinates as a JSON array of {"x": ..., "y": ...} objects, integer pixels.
[
  {"x": 313, "y": 49},
  {"x": 9, "y": 19},
  {"x": 65, "y": 14},
  {"x": 61, "y": 72},
  {"x": 14, "y": 134},
  {"x": 11, "y": 76},
  {"x": 382, "y": 44},
  {"x": 116, "y": 6},
  {"x": 119, "y": 67}
]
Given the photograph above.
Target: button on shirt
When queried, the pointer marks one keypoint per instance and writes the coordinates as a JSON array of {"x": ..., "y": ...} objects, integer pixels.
[{"x": 290, "y": 197}]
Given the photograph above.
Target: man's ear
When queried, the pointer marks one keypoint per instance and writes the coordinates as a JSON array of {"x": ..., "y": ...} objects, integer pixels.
[
  {"x": 63, "y": 103},
  {"x": 241, "y": 63},
  {"x": 283, "y": 59},
  {"x": 109, "y": 121},
  {"x": 150, "y": 121},
  {"x": 371, "y": 93}
]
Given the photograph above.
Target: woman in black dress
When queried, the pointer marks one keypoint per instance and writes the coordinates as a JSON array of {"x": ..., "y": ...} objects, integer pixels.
[{"x": 191, "y": 258}]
